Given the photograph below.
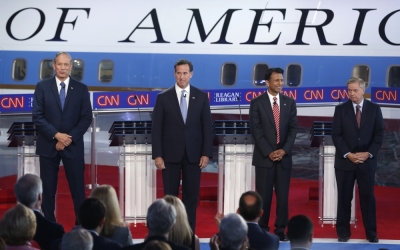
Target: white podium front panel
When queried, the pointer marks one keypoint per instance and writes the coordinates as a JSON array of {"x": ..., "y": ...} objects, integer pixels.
[
  {"x": 328, "y": 188},
  {"x": 28, "y": 161},
  {"x": 236, "y": 175},
  {"x": 137, "y": 176}
]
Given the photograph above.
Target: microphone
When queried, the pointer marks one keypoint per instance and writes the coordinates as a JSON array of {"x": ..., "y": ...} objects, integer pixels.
[
  {"x": 137, "y": 99},
  {"x": 339, "y": 99},
  {"x": 184, "y": 95},
  {"x": 240, "y": 108}
]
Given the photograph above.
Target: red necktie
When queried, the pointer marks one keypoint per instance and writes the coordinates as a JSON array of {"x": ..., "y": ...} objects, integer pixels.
[
  {"x": 358, "y": 115},
  {"x": 275, "y": 110}
]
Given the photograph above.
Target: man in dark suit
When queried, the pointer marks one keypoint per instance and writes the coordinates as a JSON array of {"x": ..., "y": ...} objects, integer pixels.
[
  {"x": 182, "y": 137},
  {"x": 91, "y": 217},
  {"x": 250, "y": 208},
  {"x": 160, "y": 219},
  {"x": 28, "y": 191},
  {"x": 273, "y": 126},
  {"x": 300, "y": 231},
  {"x": 62, "y": 113},
  {"x": 357, "y": 133}
]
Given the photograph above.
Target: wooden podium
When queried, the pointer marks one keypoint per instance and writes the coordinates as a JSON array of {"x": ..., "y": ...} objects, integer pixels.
[
  {"x": 236, "y": 174},
  {"x": 23, "y": 136},
  {"x": 321, "y": 136},
  {"x": 137, "y": 173}
]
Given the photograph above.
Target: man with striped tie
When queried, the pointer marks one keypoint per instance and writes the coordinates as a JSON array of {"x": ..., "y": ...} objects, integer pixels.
[{"x": 273, "y": 124}]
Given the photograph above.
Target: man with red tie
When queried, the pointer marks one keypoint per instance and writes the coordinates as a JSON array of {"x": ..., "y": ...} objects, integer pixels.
[
  {"x": 273, "y": 124},
  {"x": 357, "y": 133}
]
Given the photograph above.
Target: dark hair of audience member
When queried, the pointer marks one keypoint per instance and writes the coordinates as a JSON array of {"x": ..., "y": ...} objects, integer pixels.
[
  {"x": 2, "y": 244},
  {"x": 157, "y": 245},
  {"x": 250, "y": 212},
  {"x": 18, "y": 225},
  {"x": 299, "y": 228},
  {"x": 91, "y": 212}
]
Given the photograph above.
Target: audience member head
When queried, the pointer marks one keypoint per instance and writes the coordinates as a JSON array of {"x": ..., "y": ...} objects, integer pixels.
[
  {"x": 182, "y": 233},
  {"x": 28, "y": 191},
  {"x": 300, "y": 231},
  {"x": 107, "y": 195},
  {"x": 91, "y": 214},
  {"x": 77, "y": 239},
  {"x": 250, "y": 206},
  {"x": 232, "y": 231},
  {"x": 18, "y": 226},
  {"x": 160, "y": 217},
  {"x": 157, "y": 245}
]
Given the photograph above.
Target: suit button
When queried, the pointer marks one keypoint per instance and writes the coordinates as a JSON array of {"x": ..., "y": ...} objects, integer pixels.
[{"x": 358, "y": 138}]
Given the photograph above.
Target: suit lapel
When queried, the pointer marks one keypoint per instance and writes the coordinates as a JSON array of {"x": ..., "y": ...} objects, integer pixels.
[
  {"x": 350, "y": 109},
  {"x": 175, "y": 104},
  {"x": 193, "y": 96},
  {"x": 364, "y": 113},
  {"x": 54, "y": 89},
  {"x": 268, "y": 108},
  {"x": 282, "y": 110},
  {"x": 70, "y": 92}
]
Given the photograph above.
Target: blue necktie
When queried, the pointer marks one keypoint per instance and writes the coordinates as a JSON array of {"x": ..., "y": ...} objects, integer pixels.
[
  {"x": 183, "y": 105},
  {"x": 62, "y": 95}
]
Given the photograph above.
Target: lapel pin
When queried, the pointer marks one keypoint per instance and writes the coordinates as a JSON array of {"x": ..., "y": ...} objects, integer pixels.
[
  {"x": 193, "y": 97},
  {"x": 72, "y": 87},
  {"x": 284, "y": 104}
]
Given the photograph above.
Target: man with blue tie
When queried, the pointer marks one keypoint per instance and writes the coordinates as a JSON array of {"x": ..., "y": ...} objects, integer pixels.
[
  {"x": 62, "y": 113},
  {"x": 182, "y": 137},
  {"x": 357, "y": 133}
]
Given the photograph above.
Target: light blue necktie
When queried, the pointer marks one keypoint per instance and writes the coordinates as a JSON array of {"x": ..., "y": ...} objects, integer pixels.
[
  {"x": 62, "y": 95},
  {"x": 183, "y": 105}
]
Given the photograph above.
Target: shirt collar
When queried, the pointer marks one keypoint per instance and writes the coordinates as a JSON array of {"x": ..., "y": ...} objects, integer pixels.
[{"x": 179, "y": 89}]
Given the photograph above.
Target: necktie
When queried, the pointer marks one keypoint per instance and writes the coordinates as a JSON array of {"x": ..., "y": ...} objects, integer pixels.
[
  {"x": 183, "y": 105},
  {"x": 275, "y": 110},
  {"x": 358, "y": 115},
  {"x": 62, "y": 94}
]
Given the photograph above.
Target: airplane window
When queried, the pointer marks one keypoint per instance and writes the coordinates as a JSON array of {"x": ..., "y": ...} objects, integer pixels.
[
  {"x": 77, "y": 69},
  {"x": 106, "y": 71},
  {"x": 394, "y": 77},
  {"x": 46, "y": 69},
  {"x": 362, "y": 71},
  {"x": 293, "y": 75},
  {"x": 259, "y": 74},
  {"x": 229, "y": 71},
  {"x": 19, "y": 69}
]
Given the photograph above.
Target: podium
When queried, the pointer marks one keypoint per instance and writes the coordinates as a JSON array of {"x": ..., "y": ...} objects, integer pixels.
[
  {"x": 236, "y": 174},
  {"x": 321, "y": 136},
  {"x": 137, "y": 173},
  {"x": 23, "y": 136}
]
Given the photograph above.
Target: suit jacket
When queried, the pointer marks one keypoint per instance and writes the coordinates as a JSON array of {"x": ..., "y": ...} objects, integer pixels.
[
  {"x": 347, "y": 137},
  {"x": 102, "y": 243},
  {"x": 122, "y": 235},
  {"x": 171, "y": 136},
  {"x": 140, "y": 246},
  {"x": 263, "y": 129},
  {"x": 46, "y": 231},
  {"x": 260, "y": 239},
  {"x": 49, "y": 118}
]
